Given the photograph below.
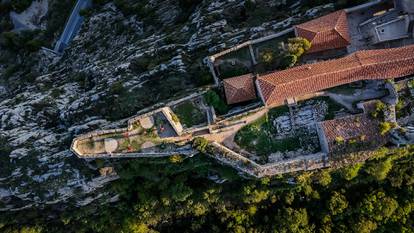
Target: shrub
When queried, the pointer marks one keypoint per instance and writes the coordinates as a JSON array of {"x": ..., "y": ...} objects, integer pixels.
[
  {"x": 5, "y": 148},
  {"x": 200, "y": 144},
  {"x": 267, "y": 56},
  {"x": 350, "y": 172},
  {"x": 56, "y": 92},
  {"x": 230, "y": 71},
  {"x": 337, "y": 204},
  {"x": 136, "y": 146},
  {"x": 213, "y": 99},
  {"x": 323, "y": 178},
  {"x": 339, "y": 140},
  {"x": 8, "y": 39},
  {"x": 380, "y": 169},
  {"x": 298, "y": 45},
  {"x": 139, "y": 65},
  {"x": 25, "y": 40},
  {"x": 5, "y": 24},
  {"x": 400, "y": 105},
  {"x": 176, "y": 158},
  {"x": 288, "y": 61},
  {"x": 33, "y": 45},
  {"x": 202, "y": 75},
  {"x": 385, "y": 127},
  {"x": 117, "y": 88},
  {"x": 379, "y": 110},
  {"x": 20, "y": 5},
  {"x": 175, "y": 117}
]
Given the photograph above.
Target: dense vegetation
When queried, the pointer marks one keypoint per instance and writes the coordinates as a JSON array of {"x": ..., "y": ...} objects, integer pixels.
[
  {"x": 176, "y": 195},
  {"x": 189, "y": 114},
  {"x": 18, "y": 48},
  {"x": 258, "y": 137},
  {"x": 159, "y": 195}
]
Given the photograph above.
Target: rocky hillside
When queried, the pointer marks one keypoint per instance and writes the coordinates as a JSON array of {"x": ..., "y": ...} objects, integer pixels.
[{"x": 126, "y": 57}]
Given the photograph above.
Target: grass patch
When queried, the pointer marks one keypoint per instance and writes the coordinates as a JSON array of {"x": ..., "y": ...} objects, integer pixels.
[
  {"x": 189, "y": 114},
  {"x": 273, "y": 49},
  {"x": 257, "y": 137},
  {"x": 235, "y": 63},
  {"x": 213, "y": 99}
]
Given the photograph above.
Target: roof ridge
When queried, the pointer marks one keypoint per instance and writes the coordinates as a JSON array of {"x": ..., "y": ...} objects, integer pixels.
[
  {"x": 377, "y": 64},
  {"x": 341, "y": 70},
  {"x": 356, "y": 55},
  {"x": 336, "y": 25}
]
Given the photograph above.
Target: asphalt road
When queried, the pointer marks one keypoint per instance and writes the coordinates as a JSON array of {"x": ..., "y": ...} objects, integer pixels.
[{"x": 72, "y": 25}]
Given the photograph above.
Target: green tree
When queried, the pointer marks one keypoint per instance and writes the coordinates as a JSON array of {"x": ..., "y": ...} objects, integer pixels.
[
  {"x": 180, "y": 192},
  {"x": 323, "y": 178},
  {"x": 364, "y": 226},
  {"x": 288, "y": 61},
  {"x": 378, "y": 206},
  {"x": 35, "y": 229},
  {"x": 213, "y": 99},
  {"x": 135, "y": 227},
  {"x": 337, "y": 203},
  {"x": 380, "y": 169},
  {"x": 289, "y": 197},
  {"x": 292, "y": 220},
  {"x": 199, "y": 209},
  {"x": 253, "y": 195},
  {"x": 351, "y": 171}
]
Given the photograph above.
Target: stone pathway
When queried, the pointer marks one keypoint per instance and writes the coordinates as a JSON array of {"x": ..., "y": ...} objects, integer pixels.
[
  {"x": 361, "y": 95},
  {"x": 226, "y": 136}
]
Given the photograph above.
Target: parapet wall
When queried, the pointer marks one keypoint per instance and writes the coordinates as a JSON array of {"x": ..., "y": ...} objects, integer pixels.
[{"x": 241, "y": 163}]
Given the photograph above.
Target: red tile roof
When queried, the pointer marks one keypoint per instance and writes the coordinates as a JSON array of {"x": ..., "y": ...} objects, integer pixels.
[
  {"x": 239, "y": 89},
  {"x": 327, "y": 32},
  {"x": 352, "y": 133},
  {"x": 278, "y": 86}
]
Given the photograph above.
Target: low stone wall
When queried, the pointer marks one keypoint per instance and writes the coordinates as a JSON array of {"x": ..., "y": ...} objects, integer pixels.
[
  {"x": 211, "y": 59},
  {"x": 140, "y": 155},
  {"x": 235, "y": 160},
  {"x": 322, "y": 139},
  {"x": 248, "y": 108},
  {"x": 250, "y": 42},
  {"x": 241, "y": 114},
  {"x": 134, "y": 119},
  {"x": 101, "y": 132},
  {"x": 97, "y": 133},
  {"x": 301, "y": 163},
  {"x": 364, "y": 6},
  {"x": 243, "y": 164},
  {"x": 151, "y": 111},
  {"x": 178, "y": 128}
]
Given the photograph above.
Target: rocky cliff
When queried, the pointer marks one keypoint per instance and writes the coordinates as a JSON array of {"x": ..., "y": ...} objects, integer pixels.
[{"x": 122, "y": 61}]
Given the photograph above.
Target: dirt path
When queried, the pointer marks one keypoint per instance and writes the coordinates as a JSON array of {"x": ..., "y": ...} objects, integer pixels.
[{"x": 226, "y": 136}]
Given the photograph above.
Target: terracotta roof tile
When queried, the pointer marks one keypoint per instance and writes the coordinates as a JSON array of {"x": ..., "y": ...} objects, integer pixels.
[
  {"x": 239, "y": 89},
  {"x": 278, "y": 86},
  {"x": 360, "y": 129},
  {"x": 327, "y": 32}
]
